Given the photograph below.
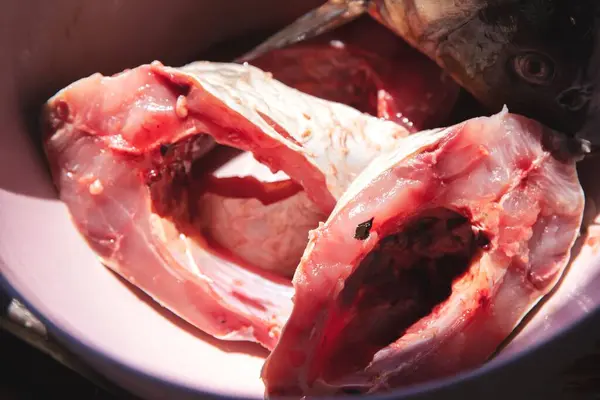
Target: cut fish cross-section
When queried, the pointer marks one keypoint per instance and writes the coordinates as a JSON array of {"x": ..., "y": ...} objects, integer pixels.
[
  {"x": 430, "y": 259},
  {"x": 132, "y": 157}
]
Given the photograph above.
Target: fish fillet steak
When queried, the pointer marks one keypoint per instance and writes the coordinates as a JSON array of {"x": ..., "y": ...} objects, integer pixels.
[
  {"x": 430, "y": 259},
  {"x": 131, "y": 157},
  {"x": 367, "y": 66}
]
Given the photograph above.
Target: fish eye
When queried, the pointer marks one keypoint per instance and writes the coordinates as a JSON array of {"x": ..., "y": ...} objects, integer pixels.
[{"x": 534, "y": 68}]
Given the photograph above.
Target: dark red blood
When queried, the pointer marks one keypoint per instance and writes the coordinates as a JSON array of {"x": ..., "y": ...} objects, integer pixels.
[
  {"x": 171, "y": 180},
  {"x": 175, "y": 193},
  {"x": 151, "y": 176},
  {"x": 524, "y": 164},
  {"x": 368, "y": 67},
  {"x": 484, "y": 299},
  {"x": 397, "y": 284},
  {"x": 182, "y": 175},
  {"x": 327, "y": 72}
]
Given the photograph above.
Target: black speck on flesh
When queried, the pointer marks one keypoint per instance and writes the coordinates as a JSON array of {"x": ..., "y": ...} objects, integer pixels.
[
  {"x": 164, "y": 149},
  {"x": 363, "y": 230}
]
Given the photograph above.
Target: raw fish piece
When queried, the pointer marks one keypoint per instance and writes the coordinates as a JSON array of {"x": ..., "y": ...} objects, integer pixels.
[
  {"x": 429, "y": 260},
  {"x": 128, "y": 154},
  {"x": 367, "y": 66}
]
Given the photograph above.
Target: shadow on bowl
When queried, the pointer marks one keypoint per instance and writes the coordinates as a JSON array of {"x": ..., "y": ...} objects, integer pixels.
[{"x": 251, "y": 349}]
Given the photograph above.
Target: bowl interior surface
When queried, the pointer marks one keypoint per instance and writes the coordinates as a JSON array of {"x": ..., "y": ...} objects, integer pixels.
[{"x": 45, "y": 260}]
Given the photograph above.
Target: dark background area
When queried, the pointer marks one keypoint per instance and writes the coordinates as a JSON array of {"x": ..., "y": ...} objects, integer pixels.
[{"x": 28, "y": 374}]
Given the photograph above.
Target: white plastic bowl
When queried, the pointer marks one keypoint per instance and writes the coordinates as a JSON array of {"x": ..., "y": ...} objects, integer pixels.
[{"x": 44, "y": 261}]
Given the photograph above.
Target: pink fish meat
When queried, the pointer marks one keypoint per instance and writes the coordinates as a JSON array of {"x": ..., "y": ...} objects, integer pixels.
[
  {"x": 367, "y": 66},
  {"x": 133, "y": 157},
  {"x": 430, "y": 259}
]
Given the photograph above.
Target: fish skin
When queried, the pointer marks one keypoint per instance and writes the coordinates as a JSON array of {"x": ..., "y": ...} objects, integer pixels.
[
  {"x": 531, "y": 212},
  {"x": 486, "y": 45}
]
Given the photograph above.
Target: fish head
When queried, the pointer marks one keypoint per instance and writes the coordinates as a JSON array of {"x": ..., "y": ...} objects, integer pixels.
[{"x": 533, "y": 56}]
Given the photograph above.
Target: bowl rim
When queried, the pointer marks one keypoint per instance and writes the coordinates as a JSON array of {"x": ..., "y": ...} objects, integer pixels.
[{"x": 434, "y": 387}]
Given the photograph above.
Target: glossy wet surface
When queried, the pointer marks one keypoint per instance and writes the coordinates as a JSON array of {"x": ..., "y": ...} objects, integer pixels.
[{"x": 400, "y": 282}]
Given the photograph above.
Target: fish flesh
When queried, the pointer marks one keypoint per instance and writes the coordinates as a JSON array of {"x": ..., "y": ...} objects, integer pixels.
[
  {"x": 206, "y": 186},
  {"x": 429, "y": 260},
  {"x": 134, "y": 159},
  {"x": 367, "y": 66},
  {"x": 536, "y": 57}
]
